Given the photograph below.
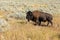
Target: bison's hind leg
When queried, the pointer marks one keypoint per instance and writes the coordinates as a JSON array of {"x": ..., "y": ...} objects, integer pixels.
[{"x": 50, "y": 21}]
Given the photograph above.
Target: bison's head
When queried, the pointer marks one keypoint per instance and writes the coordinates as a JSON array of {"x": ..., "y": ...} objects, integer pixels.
[{"x": 29, "y": 15}]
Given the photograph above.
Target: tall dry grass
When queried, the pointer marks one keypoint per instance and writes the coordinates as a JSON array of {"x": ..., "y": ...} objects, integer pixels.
[{"x": 23, "y": 31}]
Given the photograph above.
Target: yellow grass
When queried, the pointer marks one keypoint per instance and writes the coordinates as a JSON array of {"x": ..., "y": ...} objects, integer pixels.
[{"x": 19, "y": 30}]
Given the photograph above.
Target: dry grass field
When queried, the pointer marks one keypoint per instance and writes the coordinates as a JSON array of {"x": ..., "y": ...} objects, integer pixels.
[{"x": 19, "y": 30}]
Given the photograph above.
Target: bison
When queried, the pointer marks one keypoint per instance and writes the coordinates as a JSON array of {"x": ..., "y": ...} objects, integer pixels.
[
  {"x": 38, "y": 17},
  {"x": 29, "y": 16}
]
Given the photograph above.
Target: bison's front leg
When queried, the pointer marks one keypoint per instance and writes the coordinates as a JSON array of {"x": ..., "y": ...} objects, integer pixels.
[{"x": 38, "y": 22}]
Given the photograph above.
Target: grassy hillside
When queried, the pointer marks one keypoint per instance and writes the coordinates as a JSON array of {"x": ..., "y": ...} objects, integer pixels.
[
  {"x": 19, "y": 30},
  {"x": 13, "y": 24}
]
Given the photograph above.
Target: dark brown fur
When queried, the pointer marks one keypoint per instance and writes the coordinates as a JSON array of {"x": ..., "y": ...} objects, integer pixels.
[{"x": 38, "y": 17}]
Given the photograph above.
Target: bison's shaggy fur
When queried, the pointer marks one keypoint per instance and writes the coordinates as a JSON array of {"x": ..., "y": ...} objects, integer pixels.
[{"x": 38, "y": 17}]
